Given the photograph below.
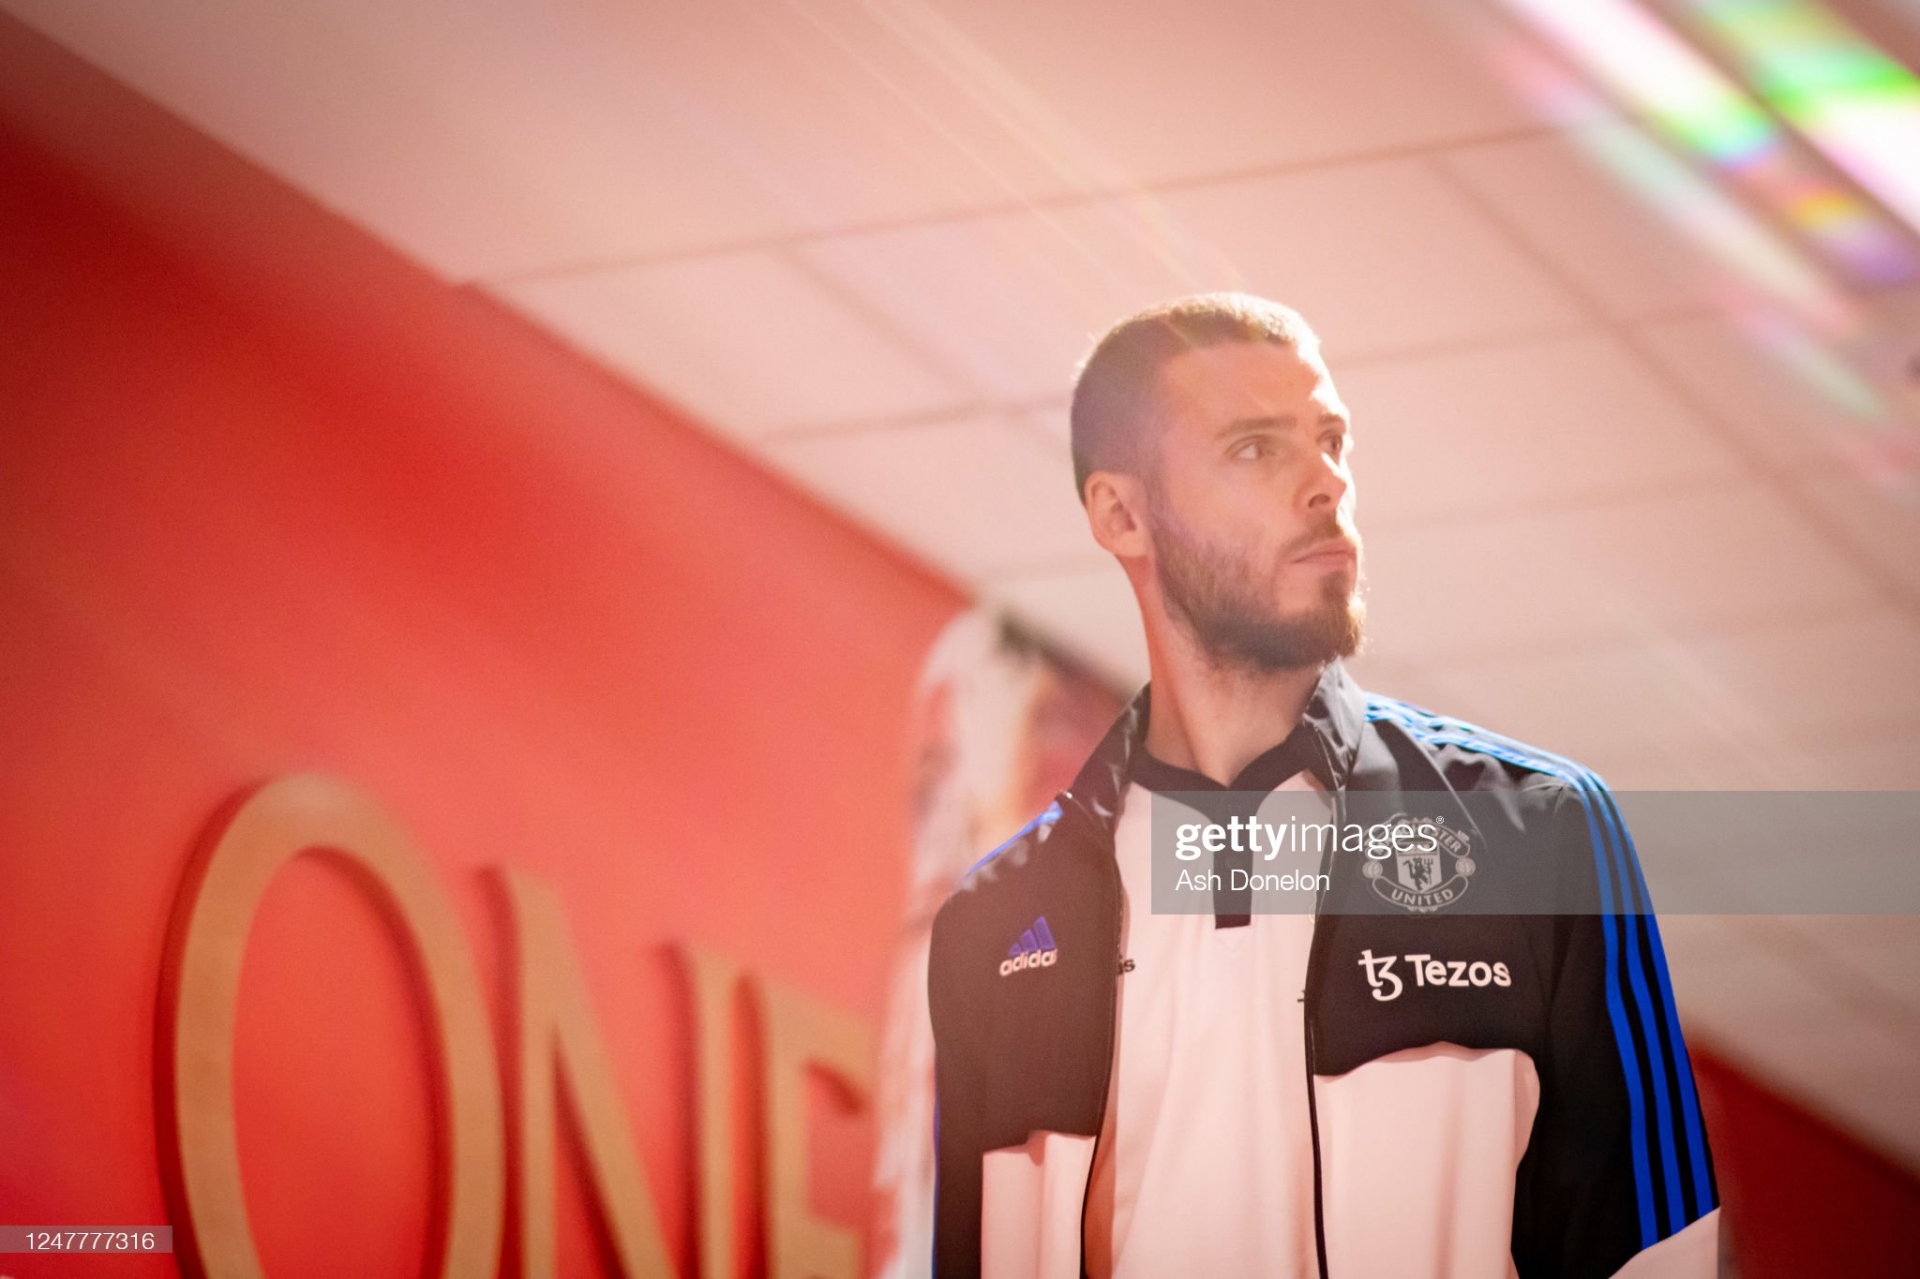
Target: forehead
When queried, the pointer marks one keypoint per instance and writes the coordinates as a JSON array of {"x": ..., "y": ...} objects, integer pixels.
[{"x": 1213, "y": 385}]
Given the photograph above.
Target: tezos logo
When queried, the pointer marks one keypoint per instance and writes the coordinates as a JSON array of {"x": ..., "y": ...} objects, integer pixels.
[
  {"x": 1427, "y": 876},
  {"x": 1035, "y": 949},
  {"x": 1428, "y": 971}
]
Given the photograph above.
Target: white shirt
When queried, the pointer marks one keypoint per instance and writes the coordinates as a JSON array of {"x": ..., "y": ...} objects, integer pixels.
[{"x": 1205, "y": 1160}]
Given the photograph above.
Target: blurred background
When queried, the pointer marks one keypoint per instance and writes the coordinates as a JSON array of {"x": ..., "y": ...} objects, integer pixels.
[{"x": 628, "y": 442}]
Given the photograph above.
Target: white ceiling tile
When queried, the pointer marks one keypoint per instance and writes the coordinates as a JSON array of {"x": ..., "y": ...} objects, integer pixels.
[
  {"x": 1599, "y": 203},
  {"x": 1757, "y": 980},
  {"x": 746, "y": 341},
  {"x": 1380, "y": 257},
  {"x": 1879, "y": 953},
  {"x": 1886, "y": 759},
  {"x": 1847, "y": 1070},
  {"x": 1834, "y": 678},
  {"x": 1880, "y": 517},
  {"x": 1091, "y": 612},
  {"x": 1773, "y": 706},
  {"x": 1174, "y": 90},
  {"x": 1637, "y": 571},
  {"x": 1754, "y": 988},
  {"x": 1014, "y": 302},
  {"x": 1776, "y": 385},
  {"x": 1518, "y": 427},
  {"x": 977, "y": 496},
  {"x": 499, "y": 138}
]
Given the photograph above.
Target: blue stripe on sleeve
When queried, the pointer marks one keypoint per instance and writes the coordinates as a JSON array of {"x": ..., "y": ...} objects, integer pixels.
[
  {"x": 1643, "y": 928},
  {"x": 1441, "y": 731},
  {"x": 1703, "y": 1196}
]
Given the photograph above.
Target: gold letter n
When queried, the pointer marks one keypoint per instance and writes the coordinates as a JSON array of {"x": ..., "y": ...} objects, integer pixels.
[{"x": 558, "y": 1042}]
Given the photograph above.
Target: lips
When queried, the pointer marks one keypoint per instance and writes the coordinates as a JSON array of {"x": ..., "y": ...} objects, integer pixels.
[{"x": 1336, "y": 551}]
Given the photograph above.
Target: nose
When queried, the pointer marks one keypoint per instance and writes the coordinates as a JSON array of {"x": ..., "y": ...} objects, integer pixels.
[{"x": 1327, "y": 485}]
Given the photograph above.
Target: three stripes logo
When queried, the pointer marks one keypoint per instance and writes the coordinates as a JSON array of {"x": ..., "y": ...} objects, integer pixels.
[{"x": 1035, "y": 949}]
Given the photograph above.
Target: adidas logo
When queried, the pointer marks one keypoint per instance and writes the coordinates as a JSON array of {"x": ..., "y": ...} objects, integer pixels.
[{"x": 1035, "y": 949}]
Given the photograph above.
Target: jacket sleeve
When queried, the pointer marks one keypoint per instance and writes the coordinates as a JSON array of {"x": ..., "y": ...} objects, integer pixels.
[
  {"x": 1617, "y": 1179},
  {"x": 958, "y": 1099}
]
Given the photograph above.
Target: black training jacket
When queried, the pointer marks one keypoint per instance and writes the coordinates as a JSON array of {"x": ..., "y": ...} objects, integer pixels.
[{"x": 1615, "y": 1165}]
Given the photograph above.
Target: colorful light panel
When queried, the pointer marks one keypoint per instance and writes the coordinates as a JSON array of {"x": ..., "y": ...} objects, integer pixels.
[
  {"x": 1656, "y": 72},
  {"x": 1853, "y": 102}
]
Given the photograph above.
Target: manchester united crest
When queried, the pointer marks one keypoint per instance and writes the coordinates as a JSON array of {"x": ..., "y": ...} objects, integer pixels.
[{"x": 1428, "y": 875}]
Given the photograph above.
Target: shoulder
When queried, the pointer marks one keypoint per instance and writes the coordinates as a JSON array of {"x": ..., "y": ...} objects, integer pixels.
[
  {"x": 1551, "y": 811},
  {"x": 989, "y": 909},
  {"x": 993, "y": 885},
  {"x": 1474, "y": 758},
  {"x": 1011, "y": 855}
]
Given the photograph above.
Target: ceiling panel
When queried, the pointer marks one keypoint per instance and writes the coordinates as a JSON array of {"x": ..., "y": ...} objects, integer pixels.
[
  {"x": 1879, "y": 515},
  {"x": 1635, "y": 571},
  {"x": 1773, "y": 999},
  {"x": 1380, "y": 258},
  {"x": 1853, "y": 1071},
  {"x": 1879, "y": 952},
  {"x": 1013, "y": 302},
  {"x": 1638, "y": 230},
  {"x": 977, "y": 496},
  {"x": 1518, "y": 427},
  {"x": 1887, "y": 760},
  {"x": 1176, "y": 90},
  {"x": 1837, "y": 678},
  {"x": 504, "y": 138},
  {"x": 1756, "y": 706},
  {"x": 1772, "y": 383},
  {"x": 748, "y": 342},
  {"x": 1759, "y": 968}
]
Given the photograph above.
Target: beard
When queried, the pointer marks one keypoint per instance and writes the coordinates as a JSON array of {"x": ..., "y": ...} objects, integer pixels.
[{"x": 1221, "y": 599}]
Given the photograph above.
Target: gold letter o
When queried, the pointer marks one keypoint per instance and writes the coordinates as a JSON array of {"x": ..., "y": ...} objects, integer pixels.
[{"x": 201, "y": 988}]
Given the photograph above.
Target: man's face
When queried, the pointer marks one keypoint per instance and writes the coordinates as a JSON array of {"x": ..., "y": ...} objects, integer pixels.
[{"x": 1250, "y": 507}]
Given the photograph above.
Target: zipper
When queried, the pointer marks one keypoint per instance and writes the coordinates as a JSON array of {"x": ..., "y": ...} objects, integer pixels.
[
  {"x": 1116, "y": 904},
  {"x": 1313, "y": 1127},
  {"x": 1306, "y": 1006},
  {"x": 1116, "y": 897}
]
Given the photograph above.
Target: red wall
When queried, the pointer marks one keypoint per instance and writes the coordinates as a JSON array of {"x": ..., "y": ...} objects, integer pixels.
[
  {"x": 1800, "y": 1199},
  {"x": 271, "y": 499}
]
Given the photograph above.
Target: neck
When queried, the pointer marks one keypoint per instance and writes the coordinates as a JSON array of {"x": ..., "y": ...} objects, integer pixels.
[{"x": 1216, "y": 720}]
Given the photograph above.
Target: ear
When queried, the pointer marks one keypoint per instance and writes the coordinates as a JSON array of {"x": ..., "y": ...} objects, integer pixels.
[{"x": 1116, "y": 512}]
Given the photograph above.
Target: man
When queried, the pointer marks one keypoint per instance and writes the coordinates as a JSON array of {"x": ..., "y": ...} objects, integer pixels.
[{"x": 1395, "y": 1084}]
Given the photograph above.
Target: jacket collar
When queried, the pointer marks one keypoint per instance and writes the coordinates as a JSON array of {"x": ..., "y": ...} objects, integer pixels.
[{"x": 1336, "y": 713}]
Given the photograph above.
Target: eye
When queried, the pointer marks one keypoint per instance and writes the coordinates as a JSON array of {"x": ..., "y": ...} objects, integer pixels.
[{"x": 1251, "y": 449}]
